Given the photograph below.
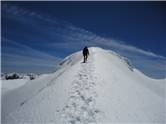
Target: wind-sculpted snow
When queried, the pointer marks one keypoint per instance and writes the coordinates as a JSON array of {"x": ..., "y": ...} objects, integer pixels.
[
  {"x": 124, "y": 59},
  {"x": 105, "y": 89},
  {"x": 71, "y": 60}
]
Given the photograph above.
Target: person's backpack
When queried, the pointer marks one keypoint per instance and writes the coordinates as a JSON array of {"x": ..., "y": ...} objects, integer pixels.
[{"x": 85, "y": 51}]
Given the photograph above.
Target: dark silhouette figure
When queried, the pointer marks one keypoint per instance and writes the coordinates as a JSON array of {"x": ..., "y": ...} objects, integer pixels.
[{"x": 85, "y": 53}]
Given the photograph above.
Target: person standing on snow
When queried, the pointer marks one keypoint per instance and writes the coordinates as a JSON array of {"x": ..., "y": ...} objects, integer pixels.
[{"x": 85, "y": 53}]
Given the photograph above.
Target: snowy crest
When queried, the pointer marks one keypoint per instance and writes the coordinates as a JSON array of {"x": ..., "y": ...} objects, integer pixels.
[{"x": 105, "y": 89}]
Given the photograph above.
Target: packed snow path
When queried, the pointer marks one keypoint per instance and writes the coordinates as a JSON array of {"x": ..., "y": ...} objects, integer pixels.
[{"x": 80, "y": 106}]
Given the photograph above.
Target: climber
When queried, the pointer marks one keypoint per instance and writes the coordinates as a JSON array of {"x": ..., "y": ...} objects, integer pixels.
[{"x": 85, "y": 53}]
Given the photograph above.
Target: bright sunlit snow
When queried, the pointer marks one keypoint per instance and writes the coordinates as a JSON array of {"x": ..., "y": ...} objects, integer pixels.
[{"x": 106, "y": 89}]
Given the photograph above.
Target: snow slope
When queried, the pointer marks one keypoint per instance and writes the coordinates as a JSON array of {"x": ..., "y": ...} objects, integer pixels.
[
  {"x": 106, "y": 89},
  {"x": 8, "y": 85}
]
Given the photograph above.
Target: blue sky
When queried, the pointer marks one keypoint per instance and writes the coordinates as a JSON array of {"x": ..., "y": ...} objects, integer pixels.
[{"x": 36, "y": 35}]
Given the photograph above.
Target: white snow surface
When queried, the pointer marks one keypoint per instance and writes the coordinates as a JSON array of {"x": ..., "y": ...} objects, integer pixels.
[
  {"x": 8, "y": 85},
  {"x": 104, "y": 90}
]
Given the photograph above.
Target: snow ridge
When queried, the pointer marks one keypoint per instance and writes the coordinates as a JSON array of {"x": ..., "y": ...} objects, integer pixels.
[
  {"x": 103, "y": 90},
  {"x": 80, "y": 107}
]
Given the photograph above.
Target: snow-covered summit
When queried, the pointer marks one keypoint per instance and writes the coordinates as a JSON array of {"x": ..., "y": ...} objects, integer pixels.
[{"x": 106, "y": 89}]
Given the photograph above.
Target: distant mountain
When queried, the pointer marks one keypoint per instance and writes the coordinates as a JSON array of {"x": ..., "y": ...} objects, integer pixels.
[{"x": 12, "y": 76}]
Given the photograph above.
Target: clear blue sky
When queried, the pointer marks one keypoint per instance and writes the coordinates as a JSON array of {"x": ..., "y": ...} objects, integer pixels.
[{"x": 49, "y": 27}]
